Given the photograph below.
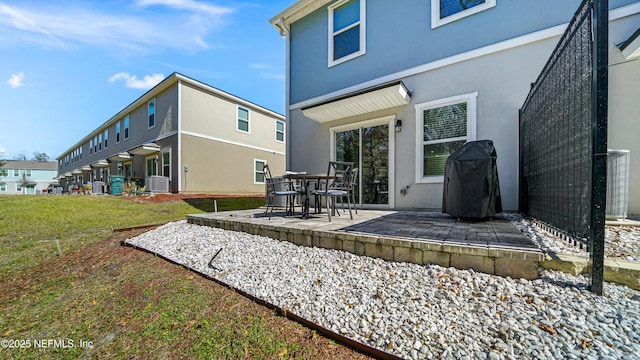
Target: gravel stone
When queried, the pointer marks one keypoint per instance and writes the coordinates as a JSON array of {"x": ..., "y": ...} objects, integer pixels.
[{"x": 414, "y": 311}]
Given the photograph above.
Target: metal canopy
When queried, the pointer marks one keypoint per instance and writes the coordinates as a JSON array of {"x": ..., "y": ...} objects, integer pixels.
[
  {"x": 120, "y": 157},
  {"x": 378, "y": 98},
  {"x": 100, "y": 164},
  {"x": 145, "y": 149},
  {"x": 631, "y": 47}
]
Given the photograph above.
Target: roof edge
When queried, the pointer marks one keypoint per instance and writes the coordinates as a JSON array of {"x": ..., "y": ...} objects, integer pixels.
[{"x": 295, "y": 12}]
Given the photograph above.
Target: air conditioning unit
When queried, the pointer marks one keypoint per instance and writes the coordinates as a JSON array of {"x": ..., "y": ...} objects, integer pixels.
[
  {"x": 157, "y": 184},
  {"x": 617, "y": 183}
]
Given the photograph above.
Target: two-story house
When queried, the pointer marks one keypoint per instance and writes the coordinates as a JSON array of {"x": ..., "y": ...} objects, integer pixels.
[
  {"x": 27, "y": 177},
  {"x": 182, "y": 136},
  {"x": 397, "y": 86}
]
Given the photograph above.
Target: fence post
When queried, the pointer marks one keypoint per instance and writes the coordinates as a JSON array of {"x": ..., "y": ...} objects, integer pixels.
[{"x": 599, "y": 103}]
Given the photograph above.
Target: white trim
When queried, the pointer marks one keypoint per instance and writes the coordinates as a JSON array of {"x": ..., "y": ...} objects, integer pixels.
[
  {"x": 472, "y": 119},
  {"x": 255, "y": 171},
  {"x": 331, "y": 34},
  {"x": 162, "y": 152},
  {"x": 386, "y": 120},
  {"x": 436, "y": 21},
  {"x": 232, "y": 142},
  {"x": 179, "y": 132},
  {"x": 146, "y": 165},
  {"x": 238, "y": 107}
]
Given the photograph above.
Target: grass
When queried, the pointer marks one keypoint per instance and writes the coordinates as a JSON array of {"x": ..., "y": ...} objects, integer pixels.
[{"x": 122, "y": 302}]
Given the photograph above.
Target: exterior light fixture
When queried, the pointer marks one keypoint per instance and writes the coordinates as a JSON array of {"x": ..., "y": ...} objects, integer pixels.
[{"x": 398, "y": 125}]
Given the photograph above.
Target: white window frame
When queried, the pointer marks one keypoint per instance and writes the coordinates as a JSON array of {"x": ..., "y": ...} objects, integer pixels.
[
  {"x": 238, "y": 107},
  {"x": 106, "y": 139},
  {"x": 363, "y": 33},
  {"x": 3, "y": 187},
  {"x": 90, "y": 147},
  {"x": 118, "y": 128},
  {"x": 255, "y": 171},
  {"x": 165, "y": 151},
  {"x": 471, "y": 100},
  {"x": 284, "y": 129},
  {"x": 16, "y": 172},
  {"x": 100, "y": 142},
  {"x": 436, "y": 21},
  {"x": 126, "y": 128},
  {"x": 149, "y": 126}
]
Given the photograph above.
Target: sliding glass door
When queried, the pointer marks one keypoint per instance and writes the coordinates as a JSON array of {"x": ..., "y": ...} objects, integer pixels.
[{"x": 367, "y": 146}]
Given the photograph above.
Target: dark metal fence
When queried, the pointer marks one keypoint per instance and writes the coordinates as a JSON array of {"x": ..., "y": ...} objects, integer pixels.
[{"x": 561, "y": 133}]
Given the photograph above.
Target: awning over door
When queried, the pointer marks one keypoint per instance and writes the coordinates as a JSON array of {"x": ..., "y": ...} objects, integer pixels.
[
  {"x": 120, "y": 157},
  {"x": 631, "y": 47},
  {"x": 145, "y": 149},
  {"x": 365, "y": 101},
  {"x": 100, "y": 164}
]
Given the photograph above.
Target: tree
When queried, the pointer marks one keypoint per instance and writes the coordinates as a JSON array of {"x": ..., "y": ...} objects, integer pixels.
[
  {"x": 20, "y": 157},
  {"x": 38, "y": 156},
  {"x": 24, "y": 181},
  {"x": 3, "y": 171}
]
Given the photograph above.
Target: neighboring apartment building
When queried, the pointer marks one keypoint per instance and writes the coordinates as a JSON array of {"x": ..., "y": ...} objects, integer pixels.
[
  {"x": 184, "y": 134},
  {"x": 28, "y": 177},
  {"x": 368, "y": 79}
]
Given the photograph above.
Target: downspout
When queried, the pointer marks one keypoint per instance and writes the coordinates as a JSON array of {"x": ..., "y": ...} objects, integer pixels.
[
  {"x": 180, "y": 150},
  {"x": 285, "y": 32}
]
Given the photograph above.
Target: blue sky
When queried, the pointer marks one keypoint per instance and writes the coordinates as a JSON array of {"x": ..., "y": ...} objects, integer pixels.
[{"x": 66, "y": 67}]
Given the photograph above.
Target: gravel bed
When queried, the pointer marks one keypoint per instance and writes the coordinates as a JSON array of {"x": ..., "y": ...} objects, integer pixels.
[
  {"x": 414, "y": 311},
  {"x": 622, "y": 242}
]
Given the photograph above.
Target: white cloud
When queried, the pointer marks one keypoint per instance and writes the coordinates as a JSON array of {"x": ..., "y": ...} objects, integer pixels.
[
  {"x": 132, "y": 81},
  {"x": 259, "y": 66},
  {"x": 3, "y": 152},
  {"x": 132, "y": 28},
  {"x": 16, "y": 80}
]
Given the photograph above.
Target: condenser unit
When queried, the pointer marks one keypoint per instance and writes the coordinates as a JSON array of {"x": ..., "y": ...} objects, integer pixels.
[
  {"x": 157, "y": 184},
  {"x": 617, "y": 183}
]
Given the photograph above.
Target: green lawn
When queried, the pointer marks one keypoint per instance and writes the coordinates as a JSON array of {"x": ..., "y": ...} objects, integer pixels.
[{"x": 123, "y": 303}]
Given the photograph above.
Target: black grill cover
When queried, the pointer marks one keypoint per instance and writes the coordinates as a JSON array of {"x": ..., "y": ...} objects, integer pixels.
[{"x": 471, "y": 187}]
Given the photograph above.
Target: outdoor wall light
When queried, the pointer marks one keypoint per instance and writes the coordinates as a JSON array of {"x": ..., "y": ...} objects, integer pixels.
[{"x": 398, "y": 125}]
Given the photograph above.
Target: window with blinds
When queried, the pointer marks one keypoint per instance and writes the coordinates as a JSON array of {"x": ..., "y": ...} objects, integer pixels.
[
  {"x": 446, "y": 11},
  {"x": 444, "y": 126}
]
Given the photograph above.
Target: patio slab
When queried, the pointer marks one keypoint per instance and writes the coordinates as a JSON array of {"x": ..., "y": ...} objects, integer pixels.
[{"x": 494, "y": 247}]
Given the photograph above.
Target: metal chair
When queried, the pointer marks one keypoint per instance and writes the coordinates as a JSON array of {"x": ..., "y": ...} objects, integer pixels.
[
  {"x": 336, "y": 185},
  {"x": 275, "y": 188}
]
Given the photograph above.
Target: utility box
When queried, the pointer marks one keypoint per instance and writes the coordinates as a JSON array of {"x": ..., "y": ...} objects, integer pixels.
[
  {"x": 157, "y": 184},
  {"x": 117, "y": 184},
  {"x": 471, "y": 186},
  {"x": 97, "y": 187}
]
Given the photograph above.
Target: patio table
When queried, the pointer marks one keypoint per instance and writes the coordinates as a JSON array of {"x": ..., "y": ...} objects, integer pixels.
[{"x": 306, "y": 180}]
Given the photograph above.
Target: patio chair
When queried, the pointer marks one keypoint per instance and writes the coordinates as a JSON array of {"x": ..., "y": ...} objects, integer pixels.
[
  {"x": 336, "y": 185},
  {"x": 276, "y": 188}
]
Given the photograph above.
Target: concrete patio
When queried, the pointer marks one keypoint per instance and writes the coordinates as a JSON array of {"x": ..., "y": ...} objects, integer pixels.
[{"x": 494, "y": 246}]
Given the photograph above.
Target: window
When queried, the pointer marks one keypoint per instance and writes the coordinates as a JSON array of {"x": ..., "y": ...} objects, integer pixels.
[
  {"x": 100, "y": 142},
  {"x": 95, "y": 144},
  {"x": 243, "y": 120},
  {"x": 152, "y": 166},
  {"x": 166, "y": 163},
  {"x": 258, "y": 171},
  {"x": 446, "y": 125},
  {"x": 3, "y": 187},
  {"x": 118, "y": 132},
  {"x": 28, "y": 172},
  {"x": 119, "y": 169},
  {"x": 19, "y": 187},
  {"x": 106, "y": 138},
  {"x": 126, "y": 127},
  {"x": 446, "y": 11},
  {"x": 90, "y": 146},
  {"x": 151, "y": 106},
  {"x": 347, "y": 32},
  {"x": 16, "y": 172},
  {"x": 279, "y": 131}
]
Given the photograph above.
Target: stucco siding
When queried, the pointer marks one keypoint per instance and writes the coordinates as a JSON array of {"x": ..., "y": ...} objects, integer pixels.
[{"x": 223, "y": 168}]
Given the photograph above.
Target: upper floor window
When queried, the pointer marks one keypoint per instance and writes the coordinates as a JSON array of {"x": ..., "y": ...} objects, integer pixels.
[
  {"x": 100, "y": 142},
  {"x": 243, "y": 120},
  {"x": 446, "y": 11},
  {"x": 106, "y": 139},
  {"x": 118, "y": 132},
  {"x": 90, "y": 146},
  {"x": 16, "y": 172},
  {"x": 279, "y": 131},
  {"x": 28, "y": 172},
  {"x": 446, "y": 125},
  {"x": 95, "y": 144},
  {"x": 126, "y": 127},
  {"x": 347, "y": 32},
  {"x": 152, "y": 113}
]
